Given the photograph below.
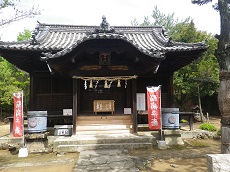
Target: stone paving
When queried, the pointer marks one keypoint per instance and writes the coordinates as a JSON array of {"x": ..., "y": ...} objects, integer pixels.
[{"x": 112, "y": 160}]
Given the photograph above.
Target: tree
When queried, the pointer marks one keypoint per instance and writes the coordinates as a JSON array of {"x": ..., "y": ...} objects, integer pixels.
[
  {"x": 161, "y": 19},
  {"x": 195, "y": 76},
  {"x": 134, "y": 22},
  {"x": 223, "y": 55},
  {"x": 24, "y": 35},
  {"x": 7, "y": 86},
  {"x": 19, "y": 14},
  {"x": 12, "y": 79},
  {"x": 200, "y": 77}
]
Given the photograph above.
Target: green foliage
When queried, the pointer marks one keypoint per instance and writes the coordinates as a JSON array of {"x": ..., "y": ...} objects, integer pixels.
[
  {"x": 5, "y": 3},
  {"x": 183, "y": 121},
  {"x": 160, "y": 19},
  {"x": 24, "y": 35},
  {"x": 134, "y": 22},
  {"x": 219, "y": 132},
  {"x": 12, "y": 80},
  {"x": 146, "y": 22},
  {"x": 202, "y": 73},
  {"x": 7, "y": 86},
  {"x": 208, "y": 127}
]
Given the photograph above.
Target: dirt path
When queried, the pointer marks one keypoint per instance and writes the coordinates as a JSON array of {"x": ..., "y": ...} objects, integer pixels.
[
  {"x": 191, "y": 157},
  {"x": 48, "y": 162}
]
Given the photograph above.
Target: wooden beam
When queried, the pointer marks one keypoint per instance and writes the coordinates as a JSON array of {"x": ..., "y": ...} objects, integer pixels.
[
  {"x": 134, "y": 97},
  {"x": 75, "y": 81},
  {"x": 31, "y": 104}
]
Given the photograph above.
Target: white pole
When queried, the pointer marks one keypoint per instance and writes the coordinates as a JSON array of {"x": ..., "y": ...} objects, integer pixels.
[{"x": 23, "y": 138}]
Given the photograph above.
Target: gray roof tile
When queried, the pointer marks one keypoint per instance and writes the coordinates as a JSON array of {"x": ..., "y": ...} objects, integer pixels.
[{"x": 62, "y": 39}]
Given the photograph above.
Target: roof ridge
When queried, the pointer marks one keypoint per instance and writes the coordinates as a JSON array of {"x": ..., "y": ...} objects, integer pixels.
[{"x": 95, "y": 26}]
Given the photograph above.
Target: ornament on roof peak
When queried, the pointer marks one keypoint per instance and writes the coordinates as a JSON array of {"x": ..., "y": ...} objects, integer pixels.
[
  {"x": 104, "y": 27},
  {"x": 34, "y": 41}
]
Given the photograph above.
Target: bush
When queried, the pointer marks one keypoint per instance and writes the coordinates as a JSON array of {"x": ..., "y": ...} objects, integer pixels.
[
  {"x": 208, "y": 127},
  {"x": 184, "y": 121},
  {"x": 219, "y": 132}
]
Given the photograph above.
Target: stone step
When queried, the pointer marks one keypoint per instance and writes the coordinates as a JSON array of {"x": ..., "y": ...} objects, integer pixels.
[
  {"x": 108, "y": 117},
  {"x": 104, "y": 124},
  {"x": 101, "y": 127},
  {"x": 100, "y": 139},
  {"x": 117, "y": 121},
  {"x": 78, "y": 143},
  {"x": 114, "y": 131},
  {"x": 79, "y": 148},
  {"x": 117, "y": 131}
]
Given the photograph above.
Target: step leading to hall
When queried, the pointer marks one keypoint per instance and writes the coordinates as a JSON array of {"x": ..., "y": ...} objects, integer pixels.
[{"x": 77, "y": 143}]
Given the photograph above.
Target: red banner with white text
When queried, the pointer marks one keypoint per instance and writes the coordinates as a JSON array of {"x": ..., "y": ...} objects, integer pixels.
[
  {"x": 18, "y": 114},
  {"x": 154, "y": 107}
]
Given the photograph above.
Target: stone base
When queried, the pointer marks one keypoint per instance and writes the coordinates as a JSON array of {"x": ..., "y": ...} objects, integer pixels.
[
  {"x": 173, "y": 137},
  {"x": 218, "y": 162},
  {"x": 225, "y": 140},
  {"x": 162, "y": 144},
  {"x": 37, "y": 142},
  {"x": 36, "y": 135}
]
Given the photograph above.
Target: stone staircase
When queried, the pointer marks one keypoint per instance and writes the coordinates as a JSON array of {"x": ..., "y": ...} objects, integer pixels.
[
  {"x": 109, "y": 124},
  {"x": 103, "y": 132},
  {"x": 78, "y": 143}
]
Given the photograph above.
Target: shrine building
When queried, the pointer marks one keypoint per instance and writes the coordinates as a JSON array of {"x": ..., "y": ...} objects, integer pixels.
[{"x": 98, "y": 72}]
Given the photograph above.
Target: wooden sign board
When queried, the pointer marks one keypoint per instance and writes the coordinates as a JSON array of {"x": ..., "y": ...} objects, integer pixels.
[
  {"x": 67, "y": 112},
  {"x": 127, "y": 111},
  {"x": 141, "y": 101}
]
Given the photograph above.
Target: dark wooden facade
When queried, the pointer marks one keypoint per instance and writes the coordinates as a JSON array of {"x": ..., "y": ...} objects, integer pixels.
[
  {"x": 57, "y": 54},
  {"x": 56, "y": 93}
]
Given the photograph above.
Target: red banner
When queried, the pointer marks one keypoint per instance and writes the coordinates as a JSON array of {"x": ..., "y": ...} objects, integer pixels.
[
  {"x": 154, "y": 107},
  {"x": 18, "y": 115}
]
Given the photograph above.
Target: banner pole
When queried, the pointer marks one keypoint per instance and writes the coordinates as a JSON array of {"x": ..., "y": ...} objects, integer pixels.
[
  {"x": 160, "y": 114},
  {"x": 23, "y": 138},
  {"x": 23, "y": 152}
]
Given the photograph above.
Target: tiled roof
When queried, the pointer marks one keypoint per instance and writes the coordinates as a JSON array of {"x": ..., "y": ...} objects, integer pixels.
[{"x": 58, "y": 40}]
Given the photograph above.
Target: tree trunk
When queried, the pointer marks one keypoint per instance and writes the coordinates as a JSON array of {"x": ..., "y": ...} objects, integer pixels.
[
  {"x": 199, "y": 100},
  {"x": 224, "y": 102},
  {"x": 223, "y": 55}
]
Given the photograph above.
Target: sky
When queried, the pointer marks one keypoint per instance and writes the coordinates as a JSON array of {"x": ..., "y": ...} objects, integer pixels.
[{"x": 117, "y": 12}]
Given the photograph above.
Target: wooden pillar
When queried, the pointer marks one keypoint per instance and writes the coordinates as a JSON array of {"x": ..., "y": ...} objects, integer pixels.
[
  {"x": 75, "y": 81},
  {"x": 31, "y": 99},
  {"x": 134, "y": 102}
]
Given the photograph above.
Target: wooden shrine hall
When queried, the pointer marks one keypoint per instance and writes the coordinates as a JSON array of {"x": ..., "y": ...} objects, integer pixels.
[{"x": 100, "y": 71}]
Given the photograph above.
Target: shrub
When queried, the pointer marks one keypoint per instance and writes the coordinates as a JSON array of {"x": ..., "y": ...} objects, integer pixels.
[
  {"x": 208, "y": 127},
  {"x": 184, "y": 121},
  {"x": 219, "y": 133}
]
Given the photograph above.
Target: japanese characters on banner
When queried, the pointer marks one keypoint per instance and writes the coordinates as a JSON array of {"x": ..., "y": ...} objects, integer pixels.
[
  {"x": 154, "y": 107},
  {"x": 18, "y": 114}
]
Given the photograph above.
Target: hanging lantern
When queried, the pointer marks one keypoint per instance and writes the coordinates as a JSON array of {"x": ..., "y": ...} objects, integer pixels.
[
  {"x": 119, "y": 83},
  {"x": 91, "y": 84},
  {"x": 106, "y": 84}
]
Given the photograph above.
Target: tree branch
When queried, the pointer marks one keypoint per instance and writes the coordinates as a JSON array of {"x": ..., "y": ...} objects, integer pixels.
[
  {"x": 19, "y": 15},
  {"x": 201, "y": 2}
]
